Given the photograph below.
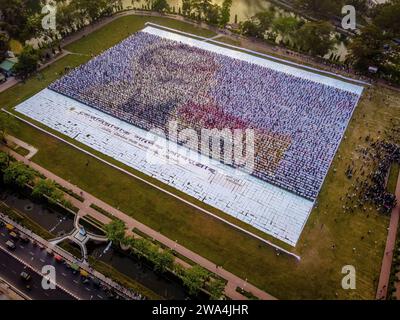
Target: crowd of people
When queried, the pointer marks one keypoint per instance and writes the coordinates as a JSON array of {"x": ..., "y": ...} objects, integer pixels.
[
  {"x": 370, "y": 181},
  {"x": 149, "y": 81}
]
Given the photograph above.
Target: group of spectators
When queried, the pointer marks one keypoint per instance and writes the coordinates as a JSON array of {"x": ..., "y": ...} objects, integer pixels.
[
  {"x": 149, "y": 81},
  {"x": 370, "y": 187}
]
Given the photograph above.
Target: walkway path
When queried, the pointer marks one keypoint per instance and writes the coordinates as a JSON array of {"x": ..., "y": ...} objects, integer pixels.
[
  {"x": 171, "y": 194},
  {"x": 381, "y": 293},
  {"x": 70, "y": 258},
  {"x": 79, "y": 236},
  {"x": 131, "y": 223},
  {"x": 32, "y": 150}
]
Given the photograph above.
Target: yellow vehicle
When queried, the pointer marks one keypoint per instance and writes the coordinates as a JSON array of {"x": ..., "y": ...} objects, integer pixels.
[
  {"x": 84, "y": 273},
  {"x": 14, "y": 235},
  {"x": 10, "y": 227}
]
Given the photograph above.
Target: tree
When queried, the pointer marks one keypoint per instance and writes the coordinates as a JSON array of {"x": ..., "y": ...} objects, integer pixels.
[
  {"x": 160, "y": 5},
  {"x": 251, "y": 29},
  {"x": 18, "y": 174},
  {"x": 216, "y": 289},
  {"x": 373, "y": 46},
  {"x": 27, "y": 62},
  {"x": 361, "y": 6},
  {"x": 265, "y": 19},
  {"x": 4, "y": 160},
  {"x": 225, "y": 14},
  {"x": 387, "y": 17},
  {"x": 367, "y": 48},
  {"x": 142, "y": 246},
  {"x": 187, "y": 7},
  {"x": 325, "y": 8},
  {"x": 162, "y": 260},
  {"x": 201, "y": 7},
  {"x": 316, "y": 38},
  {"x": 65, "y": 17},
  {"x": 194, "y": 279},
  {"x": 115, "y": 230},
  {"x": 212, "y": 15},
  {"x": 286, "y": 26},
  {"x": 4, "y": 47},
  {"x": 47, "y": 188}
]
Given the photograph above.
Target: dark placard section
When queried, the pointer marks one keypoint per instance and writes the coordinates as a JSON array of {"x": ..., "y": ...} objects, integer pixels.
[{"x": 114, "y": 310}]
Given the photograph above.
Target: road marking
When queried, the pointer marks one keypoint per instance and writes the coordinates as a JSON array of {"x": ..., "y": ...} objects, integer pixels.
[
  {"x": 37, "y": 271},
  {"x": 16, "y": 290}
]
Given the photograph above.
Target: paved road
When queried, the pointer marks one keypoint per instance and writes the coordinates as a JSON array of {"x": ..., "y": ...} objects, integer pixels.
[
  {"x": 70, "y": 285},
  {"x": 384, "y": 278},
  {"x": 10, "y": 270},
  {"x": 233, "y": 280}
]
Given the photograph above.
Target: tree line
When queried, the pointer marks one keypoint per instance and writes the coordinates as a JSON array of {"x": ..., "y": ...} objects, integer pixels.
[
  {"x": 314, "y": 38},
  {"x": 378, "y": 42},
  {"x": 194, "y": 278}
]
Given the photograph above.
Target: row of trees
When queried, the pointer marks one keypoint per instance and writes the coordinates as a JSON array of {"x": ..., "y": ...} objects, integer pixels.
[
  {"x": 375, "y": 46},
  {"x": 314, "y": 38},
  {"x": 17, "y": 174},
  {"x": 208, "y": 11},
  {"x": 330, "y": 8},
  {"x": 72, "y": 15},
  {"x": 194, "y": 278},
  {"x": 22, "y": 19}
]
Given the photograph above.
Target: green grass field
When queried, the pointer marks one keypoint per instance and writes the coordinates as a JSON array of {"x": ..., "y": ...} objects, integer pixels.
[
  {"x": 393, "y": 177},
  {"x": 316, "y": 276}
]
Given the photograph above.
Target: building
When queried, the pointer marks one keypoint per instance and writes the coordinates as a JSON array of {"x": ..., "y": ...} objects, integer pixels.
[{"x": 6, "y": 67}]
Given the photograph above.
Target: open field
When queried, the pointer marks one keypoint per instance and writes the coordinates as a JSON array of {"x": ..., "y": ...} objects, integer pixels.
[
  {"x": 318, "y": 275},
  {"x": 392, "y": 179}
]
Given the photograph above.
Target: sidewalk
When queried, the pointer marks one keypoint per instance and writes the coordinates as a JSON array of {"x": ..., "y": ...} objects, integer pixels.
[
  {"x": 233, "y": 280},
  {"x": 381, "y": 293}
]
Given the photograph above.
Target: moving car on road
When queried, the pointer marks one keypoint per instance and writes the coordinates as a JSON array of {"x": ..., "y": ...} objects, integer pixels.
[{"x": 10, "y": 245}]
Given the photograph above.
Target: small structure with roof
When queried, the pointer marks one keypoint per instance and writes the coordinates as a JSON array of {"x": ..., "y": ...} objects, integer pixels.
[{"x": 6, "y": 67}]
